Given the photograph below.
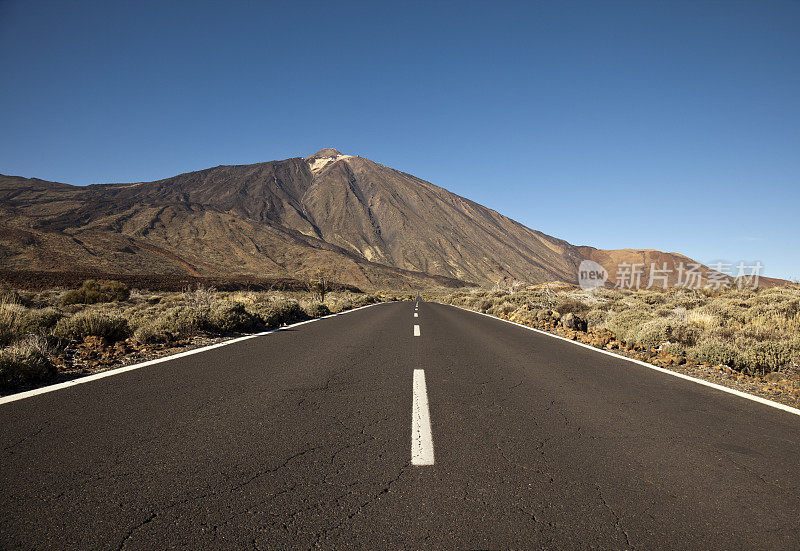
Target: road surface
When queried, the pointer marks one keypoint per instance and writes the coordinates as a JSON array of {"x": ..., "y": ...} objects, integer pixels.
[{"x": 378, "y": 429}]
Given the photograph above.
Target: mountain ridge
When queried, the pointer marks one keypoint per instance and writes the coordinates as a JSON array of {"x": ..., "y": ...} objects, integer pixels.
[{"x": 370, "y": 224}]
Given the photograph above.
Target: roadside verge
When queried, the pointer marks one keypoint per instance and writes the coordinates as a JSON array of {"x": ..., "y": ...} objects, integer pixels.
[{"x": 123, "y": 369}]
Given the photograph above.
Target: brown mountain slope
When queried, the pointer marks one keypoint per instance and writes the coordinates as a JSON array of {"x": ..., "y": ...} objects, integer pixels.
[
  {"x": 110, "y": 229},
  {"x": 370, "y": 222},
  {"x": 644, "y": 259},
  {"x": 397, "y": 219},
  {"x": 647, "y": 259}
]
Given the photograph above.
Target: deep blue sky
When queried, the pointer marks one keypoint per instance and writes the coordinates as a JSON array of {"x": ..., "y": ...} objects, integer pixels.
[{"x": 671, "y": 125}]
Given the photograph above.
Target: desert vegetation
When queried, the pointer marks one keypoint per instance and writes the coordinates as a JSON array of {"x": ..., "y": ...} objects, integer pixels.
[
  {"x": 747, "y": 333},
  {"x": 101, "y": 323}
]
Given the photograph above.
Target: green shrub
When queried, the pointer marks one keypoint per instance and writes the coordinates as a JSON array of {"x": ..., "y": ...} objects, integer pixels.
[
  {"x": 95, "y": 291},
  {"x": 716, "y": 352},
  {"x": 357, "y": 301},
  {"x": 25, "y": 362},
  {"x": 41, "y": 320},
  {"x": 279, "y": 312},
  {"x": 625, "y": 324},
  {"x": 184, "y": 321},
  {"x": 316, "y": 310},
  {"x": 675, "y": 348},
  {"x": 595, "y": 317},
  {"x": 687, "y": 335},
  {"x": 228, "y": 317},
  {"x": 341, "y": 305},
  {"x": 767, "y": 356},
  {"x": 150, "y": 332},
  {"x": 176, "y": 323},
  {"x": 653, "y": 333},
  {"x": 92, "y": 323}
]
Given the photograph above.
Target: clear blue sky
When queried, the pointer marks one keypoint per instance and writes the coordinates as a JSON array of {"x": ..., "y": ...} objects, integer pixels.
[{"x": 667, "y": 125}]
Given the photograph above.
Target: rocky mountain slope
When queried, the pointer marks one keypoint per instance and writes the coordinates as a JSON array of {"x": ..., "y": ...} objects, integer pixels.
[
  {"x": 369, "y": 224},
  {"x": 373, "y": 225}
]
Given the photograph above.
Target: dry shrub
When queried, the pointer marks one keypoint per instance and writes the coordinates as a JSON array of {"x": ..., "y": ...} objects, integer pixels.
[
  {"x": 25, "y": 362},
  {"x": 202, "y": 296},
  {"x": 764, "y": 357},
  {"x": 625, "y": 324},
  {"x": 653, "y": 333},
  {"x": 566, "y": 304},
  {"x": 316, "y": 309},
  {"x": 227, "y": 317},
  {"x": 175, "y": 323},
  {"x": 278, "y": 312},
  {"x": 715, "y": 352},
  {"x": 753, "y": 331},
  {"x": 92, "y": 323},
  {"x": 96, "y": 291},
  {"x": 12, "y": 315},
  {"x": 595, "y": 317},
  {"x": 703, "y": 320}
]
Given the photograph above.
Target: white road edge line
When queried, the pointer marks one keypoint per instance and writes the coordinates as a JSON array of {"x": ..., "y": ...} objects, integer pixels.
[
  {"x": 416, "y": 331},
  {"x": 117, "y": 371},
  {"x": 733, "y": 391},
  {"x": 421, "y": 435}
]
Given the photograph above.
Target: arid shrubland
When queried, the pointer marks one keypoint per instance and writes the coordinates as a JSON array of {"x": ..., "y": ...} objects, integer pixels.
[
  {"x": 751, "y": 331},
  {"x": 34, "y": 327}
]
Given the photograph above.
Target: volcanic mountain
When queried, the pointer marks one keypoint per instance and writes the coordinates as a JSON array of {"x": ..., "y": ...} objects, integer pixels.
[{"x": 368, "y": 224}]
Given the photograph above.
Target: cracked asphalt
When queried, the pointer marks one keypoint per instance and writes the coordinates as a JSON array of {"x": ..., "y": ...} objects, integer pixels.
[{"x": 301, "y": 439}]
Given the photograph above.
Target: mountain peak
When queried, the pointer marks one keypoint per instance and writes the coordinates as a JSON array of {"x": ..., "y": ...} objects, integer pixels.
[
  {"x": 324, "y": 153},
  {"x": 324, "y": 157}
]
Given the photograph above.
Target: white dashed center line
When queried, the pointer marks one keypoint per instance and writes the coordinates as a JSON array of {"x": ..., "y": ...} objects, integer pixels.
[
  {"x": 416, "y": 331},
  {"x": 416, "y": 315},
  {"x": 421, "y": 435}
]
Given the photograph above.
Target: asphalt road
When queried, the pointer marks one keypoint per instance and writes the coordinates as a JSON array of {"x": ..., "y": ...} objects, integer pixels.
[{"x": 303, "y": 438}]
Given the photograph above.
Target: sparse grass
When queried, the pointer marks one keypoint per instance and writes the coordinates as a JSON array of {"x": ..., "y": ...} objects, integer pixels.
[
  {"x": 25, "y": 361},
  {"x": 755, "y": 332},
  {"x": 17, "y": 321},
  {"x": 92, "y": 323}
]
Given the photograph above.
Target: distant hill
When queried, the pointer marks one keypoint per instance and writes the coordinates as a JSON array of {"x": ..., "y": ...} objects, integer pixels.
[
  {"x": 667, "y": 265},
  {"x": 370, "y": 225}
]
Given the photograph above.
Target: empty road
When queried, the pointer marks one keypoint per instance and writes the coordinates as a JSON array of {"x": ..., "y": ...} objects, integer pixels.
[{"x": 379, "y": 429}]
